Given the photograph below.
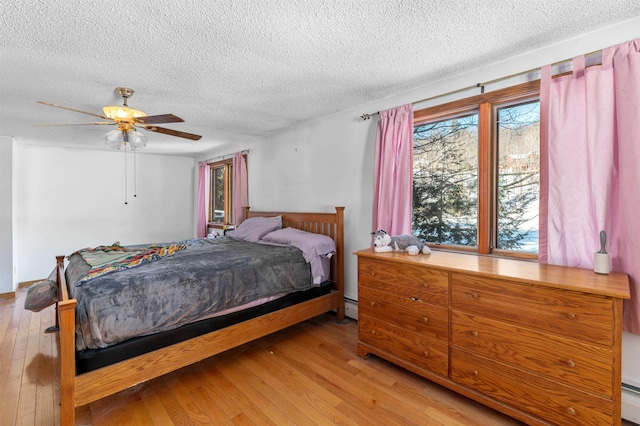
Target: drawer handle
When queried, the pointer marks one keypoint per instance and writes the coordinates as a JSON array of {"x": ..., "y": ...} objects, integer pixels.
[
  {"x": 424, "y": 285},
  {"x": 425, "y": 320},
  {"x": 426, "y": 354},
  {"x": 571, "y": 411},
  {"x": 475, "y": 373},
  {"x": 474, "y": 295},
  {"x": 372, "y": 303},
  {"x": 571, "y": 316},
  {"x": 570, "y": 363},
  {"x": 474, "y": 334},
  {"x": 415, "y": 299}
]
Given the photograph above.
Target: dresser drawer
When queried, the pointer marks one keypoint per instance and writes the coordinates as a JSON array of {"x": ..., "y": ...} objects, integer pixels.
[
  {"x": 572, "y": 362},
  {"x": 408, "y": 280},
  {"x": 431, "y": 354},
  {"x": 410, "y": 313},
  {"x": 578, "y": 315},
  {"x": 554, "y": 402}
]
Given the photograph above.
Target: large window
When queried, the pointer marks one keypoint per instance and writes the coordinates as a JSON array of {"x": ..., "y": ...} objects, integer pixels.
[
  {"x": 476, "y": 168},
  {"x": 221, "y": 187}
]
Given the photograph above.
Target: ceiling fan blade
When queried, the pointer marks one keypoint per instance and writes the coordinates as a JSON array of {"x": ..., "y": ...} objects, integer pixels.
[
  {"x": 99, "y": 123},
  {"x": 172, "y": 132},
  {"x": 73, "y": 109},
  {"x": 157, "y": 119}
]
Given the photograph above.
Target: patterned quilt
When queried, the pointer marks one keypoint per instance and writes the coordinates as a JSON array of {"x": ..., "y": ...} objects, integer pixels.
[{"x": 105, "y": 259}]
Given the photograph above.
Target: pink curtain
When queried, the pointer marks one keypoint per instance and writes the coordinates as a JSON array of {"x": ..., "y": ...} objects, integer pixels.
[
  {"x": 589, "y": 172},
  {"x": 240, "y": 187},
  {"x": 626, "y": 72},
  {"x": 203, "y": 195},
  {"x": 393, "y": 171}
]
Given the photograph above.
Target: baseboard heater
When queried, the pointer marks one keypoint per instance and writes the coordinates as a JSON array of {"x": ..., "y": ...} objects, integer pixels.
[
  {"x": 351, "y": 308},
  {"x": 631, "y": 403}
]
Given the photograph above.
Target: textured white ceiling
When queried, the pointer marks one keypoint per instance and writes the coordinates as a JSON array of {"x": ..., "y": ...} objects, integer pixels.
[{"x": 239, "y": 69}]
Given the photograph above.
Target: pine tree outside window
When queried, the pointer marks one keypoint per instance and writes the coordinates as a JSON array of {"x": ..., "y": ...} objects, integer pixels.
[{"x": 220, "y": 209}]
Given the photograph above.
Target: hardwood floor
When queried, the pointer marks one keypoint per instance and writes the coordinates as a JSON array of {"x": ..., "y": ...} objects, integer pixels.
[{"x": 308, "y": 374}]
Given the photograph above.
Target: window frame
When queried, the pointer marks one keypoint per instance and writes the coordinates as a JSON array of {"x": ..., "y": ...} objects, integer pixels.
[
  {"x": 485, "y": 105},
  {"x": 227, "y": 166}
]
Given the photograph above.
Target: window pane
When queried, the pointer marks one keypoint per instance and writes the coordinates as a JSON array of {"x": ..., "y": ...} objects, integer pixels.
[
  {"x": 230, "y": 195},
  {"x": 518, "y": 177},
  {"x": 445, "y": 181},
  {"x": 217, "y": 194}
]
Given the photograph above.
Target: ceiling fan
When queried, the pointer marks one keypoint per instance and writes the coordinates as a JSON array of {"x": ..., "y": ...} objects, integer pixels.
[{"x": 128, "y": 120}]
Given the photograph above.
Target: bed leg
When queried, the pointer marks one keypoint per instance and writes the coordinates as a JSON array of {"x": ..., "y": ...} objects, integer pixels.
[
  {"x": 67, "y": 362},
  {"x": 54, "y": 328},
  {"x": 340, "y": 317}
]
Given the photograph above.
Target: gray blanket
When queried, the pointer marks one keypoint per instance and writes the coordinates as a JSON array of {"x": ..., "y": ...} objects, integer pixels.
[{"x": 196, "y": 283}]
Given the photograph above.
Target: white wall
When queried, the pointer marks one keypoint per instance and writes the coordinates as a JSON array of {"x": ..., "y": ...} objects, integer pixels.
[
  {"x": 6, "y": 215},
  {"x": 68, "y": 199},
  {"x": 315, "y": 168},
  {"x": 329, "y": 162},
  {"x": 630, "y": 358}
]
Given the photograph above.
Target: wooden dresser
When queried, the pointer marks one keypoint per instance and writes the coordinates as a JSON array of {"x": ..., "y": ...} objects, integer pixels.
[{"x": 541, "y": 343}]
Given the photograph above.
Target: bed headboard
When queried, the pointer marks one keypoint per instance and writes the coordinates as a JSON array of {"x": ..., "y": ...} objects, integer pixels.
[{"x": 330, "y": 224}]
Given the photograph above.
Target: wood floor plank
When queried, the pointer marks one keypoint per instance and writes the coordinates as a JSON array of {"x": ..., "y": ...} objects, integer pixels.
[
  {"x": 137, "y": 411},
  {"x": 154, "y": 406},
  {"x": 181, "y": 388},
  {"x": 6, "y": 309},
  {"x": 171, "y": 404},
  {"x": 83, "y": 415},
  {"x": 27, "y": 350},
  {"x": 215, "y": 377},
  {"x": 45, "y": 398},
  {"x": 267, "y": 390},
  {"x": 131, "y": 413},
  {"x": 247, "y": 384},
  {"x": 102, "y": 411},
  {"x": 351, "y": 389},
  {"x": 347, "y": 413},
  {"x": 295, "y": 407},
  {"x": 302, "y": 385},
  {"x": 212, "y": 382},
  {"x": 242, "y": 420},
  {"x": 11, "y": 395}
]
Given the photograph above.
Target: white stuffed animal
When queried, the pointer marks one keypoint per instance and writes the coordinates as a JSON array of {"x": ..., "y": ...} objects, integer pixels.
[{"x": 383, "y": 242}]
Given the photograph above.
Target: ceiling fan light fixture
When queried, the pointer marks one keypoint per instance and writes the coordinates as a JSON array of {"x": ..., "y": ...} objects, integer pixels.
[
  {"x": 137, "y": 140},
  {"x": 113, "y": 138},
  {"x": 117, "y": 138},
  {"x": 120, "y": 112}
]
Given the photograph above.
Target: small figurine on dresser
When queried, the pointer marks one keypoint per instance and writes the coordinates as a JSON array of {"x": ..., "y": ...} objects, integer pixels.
[{"x": 383, "y": 242}]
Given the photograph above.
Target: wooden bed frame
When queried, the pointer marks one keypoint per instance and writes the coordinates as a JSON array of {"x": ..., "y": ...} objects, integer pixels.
[{"x": 78, "y": 390}]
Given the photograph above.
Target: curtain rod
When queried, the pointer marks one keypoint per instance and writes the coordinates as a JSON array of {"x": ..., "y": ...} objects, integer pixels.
[
  {"x": 479, "y": 85},
  {"x": 225, "y": 156}
]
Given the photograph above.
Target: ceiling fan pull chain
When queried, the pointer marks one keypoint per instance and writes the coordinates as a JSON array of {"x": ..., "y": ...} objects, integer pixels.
[
  {"x": 125, "y": 173},
  {"x": 135, "y": 174}
]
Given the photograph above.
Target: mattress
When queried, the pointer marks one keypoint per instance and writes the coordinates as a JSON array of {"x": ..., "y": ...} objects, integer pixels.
[{"x": 92, "y": 359}]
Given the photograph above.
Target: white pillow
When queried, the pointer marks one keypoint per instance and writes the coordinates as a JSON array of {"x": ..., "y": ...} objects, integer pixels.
[
  {"x": 254, "y": 228},
  {"x": 309, "y": 243}
]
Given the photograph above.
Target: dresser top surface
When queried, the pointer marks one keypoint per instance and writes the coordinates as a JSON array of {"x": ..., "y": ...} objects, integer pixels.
[{"x": 615, "y": 284}]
